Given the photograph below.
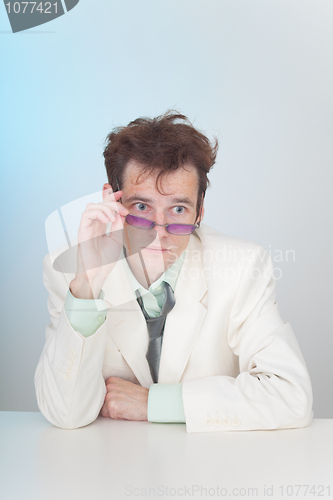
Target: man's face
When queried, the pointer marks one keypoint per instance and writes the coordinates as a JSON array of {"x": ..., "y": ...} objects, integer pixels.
[{"x": 159, "y": 249}]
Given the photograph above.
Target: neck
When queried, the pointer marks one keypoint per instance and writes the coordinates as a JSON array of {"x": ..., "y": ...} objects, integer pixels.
[{"x": 143, "y": 275}]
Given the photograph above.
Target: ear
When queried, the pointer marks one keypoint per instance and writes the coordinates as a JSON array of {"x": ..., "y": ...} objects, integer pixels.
[
  {"x": 106, "y": 190},
  {"x": 202, "y": 210}
]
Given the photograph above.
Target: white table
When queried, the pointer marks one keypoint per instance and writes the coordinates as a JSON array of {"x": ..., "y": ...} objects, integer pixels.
[{"x": 112, "y": 460}]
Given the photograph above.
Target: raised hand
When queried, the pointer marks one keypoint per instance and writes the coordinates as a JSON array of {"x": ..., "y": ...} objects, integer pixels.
[{"x": 98, "y": 251}]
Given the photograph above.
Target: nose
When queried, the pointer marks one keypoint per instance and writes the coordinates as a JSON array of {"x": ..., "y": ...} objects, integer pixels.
[
  {"x": 160, "y": 219},
  {"x": 161, "y": 231}
]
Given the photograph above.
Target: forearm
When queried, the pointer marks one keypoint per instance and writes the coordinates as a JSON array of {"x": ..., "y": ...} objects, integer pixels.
[{"x": 274, "y": 392}]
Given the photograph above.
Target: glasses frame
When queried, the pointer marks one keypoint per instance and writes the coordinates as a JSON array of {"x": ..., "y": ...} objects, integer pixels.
[{"x": 196, "y": 225}]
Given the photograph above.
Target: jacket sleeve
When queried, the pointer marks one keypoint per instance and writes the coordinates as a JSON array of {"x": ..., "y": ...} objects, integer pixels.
[
  {"x": 273, "y": 388},
  {"x": 69, "y": 385}
]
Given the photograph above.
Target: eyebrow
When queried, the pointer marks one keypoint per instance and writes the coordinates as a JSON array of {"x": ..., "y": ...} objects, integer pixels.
[{"x": 136, "y": 197}]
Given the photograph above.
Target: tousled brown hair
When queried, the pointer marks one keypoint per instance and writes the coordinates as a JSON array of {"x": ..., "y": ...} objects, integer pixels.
[{"x": 160, "y": 145}]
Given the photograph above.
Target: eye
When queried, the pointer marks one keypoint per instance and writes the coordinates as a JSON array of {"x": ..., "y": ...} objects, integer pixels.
[
  {"x": 141, "y": 206},
  {"x": 179, "y": 210}
]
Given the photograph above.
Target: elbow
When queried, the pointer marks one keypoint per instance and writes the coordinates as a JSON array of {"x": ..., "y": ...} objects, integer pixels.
[
  {"x": 67, "y": 410},
  {"x": 298, "y": 407},
  {"x": 62, "y": 415},
  {"x": 64, "y": 420},
  {"x": 289, "y": 402},
  {"x": 304, "y": 412}
]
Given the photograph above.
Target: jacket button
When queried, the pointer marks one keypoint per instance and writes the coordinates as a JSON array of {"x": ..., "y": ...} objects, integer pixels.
[
  {"x": 227, "y": 422},
  {"x": 236, "y": 422}
]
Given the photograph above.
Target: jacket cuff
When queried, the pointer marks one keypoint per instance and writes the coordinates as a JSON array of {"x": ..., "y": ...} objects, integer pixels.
[
  {"x": 85, "y": 316},
  {"x": 165, "y": 403}
]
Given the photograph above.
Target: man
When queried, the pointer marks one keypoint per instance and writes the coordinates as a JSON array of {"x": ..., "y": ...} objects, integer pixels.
[{"x": 166, "y": 319}]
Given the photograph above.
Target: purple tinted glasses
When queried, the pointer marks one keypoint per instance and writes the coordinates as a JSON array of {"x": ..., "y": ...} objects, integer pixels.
[{"x": 177, "y": 229}]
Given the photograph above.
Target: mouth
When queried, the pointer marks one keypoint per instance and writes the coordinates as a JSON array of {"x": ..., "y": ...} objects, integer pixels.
[{"x": 156, "y": 249}]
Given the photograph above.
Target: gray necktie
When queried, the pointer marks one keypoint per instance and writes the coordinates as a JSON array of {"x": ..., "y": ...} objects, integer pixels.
[{"x": 156, "y": 328}]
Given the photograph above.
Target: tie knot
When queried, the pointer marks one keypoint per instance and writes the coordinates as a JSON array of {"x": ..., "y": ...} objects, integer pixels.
[
  {"x": 169, "y": 300},
  {"x": 168, "y": 304}
]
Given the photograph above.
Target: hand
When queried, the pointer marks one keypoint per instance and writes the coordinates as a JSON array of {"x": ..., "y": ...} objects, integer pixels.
[
  {"x": 97, "y": 251},
  {"x": 125, "y": 400}
]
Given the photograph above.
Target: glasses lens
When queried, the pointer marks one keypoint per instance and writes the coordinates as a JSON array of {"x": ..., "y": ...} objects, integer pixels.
[
  {"x": 139, "y": 222},
  {"x": 181, "y": 229}
]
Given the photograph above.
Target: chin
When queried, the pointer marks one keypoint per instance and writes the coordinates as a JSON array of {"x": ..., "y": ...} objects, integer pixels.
[{"x": 157, "y": 260}]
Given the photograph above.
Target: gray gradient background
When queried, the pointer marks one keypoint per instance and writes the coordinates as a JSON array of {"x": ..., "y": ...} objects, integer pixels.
[{"x": 257, "y": 74}]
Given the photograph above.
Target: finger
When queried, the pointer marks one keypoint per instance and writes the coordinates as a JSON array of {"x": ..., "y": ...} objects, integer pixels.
[
  {"x": 118, "y": 383},
  {"x": 104, "y": 411},
  {"x": 93, "y": 217},
  {"x": 92, "y": 207},
  {"x": 118, "y": 224},
  {"x": 100, "y": 212},
  {"x": 108, "y": 208},
  {"x": 116, "y": 207},
  {"x": 113, "y": 379},
  {"x": 113, "y": 195}
]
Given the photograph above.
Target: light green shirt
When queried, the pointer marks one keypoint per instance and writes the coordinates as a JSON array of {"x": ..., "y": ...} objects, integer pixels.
[
  {"x": 165, "y": 402},
  {"x": 153, "y": 298}
]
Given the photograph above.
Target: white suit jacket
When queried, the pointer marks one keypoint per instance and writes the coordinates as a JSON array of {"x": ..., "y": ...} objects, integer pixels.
[{"x": 239, "y": 362}]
